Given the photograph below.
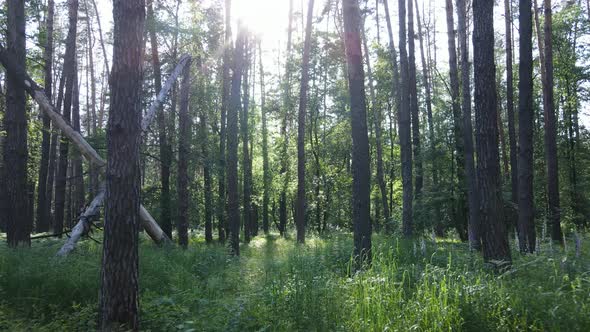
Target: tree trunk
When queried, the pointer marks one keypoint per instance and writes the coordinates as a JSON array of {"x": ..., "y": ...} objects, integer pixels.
[
  {"x": 301, "y": 200},
  {"x": 472, "y": 194},
  {"x": 70, "y": 68},
  {"x": 244, "y": 131},
  {"x": 78, "y": 192},
  {"x": 164, "y": 149},
  {"x": 404, "y": 126},
  {"x": 526, "y": 222},
  {"x": 284, "y": 170},
  {"x": 494, "y": 237},
  {"x": 233, "y": 201},
  {"x": 221, "y": 203},
  {"x": 18, "y": 223},
  {"x": 554, "y": 220},
  {"x": 266, "y": 178},
  {"x": 42, "y": 217},
  {"x": 510, "y": 103},
  {"x": 419, "y": 174},
  {"x": 184, "y": 141},
  {"x": 361, "y": 175},
  {"x": 377, "y": 120},
  {"x": 204, "y": 127},
  {"x": 119, "y": 296},
  {"x": 92, "y": 98},
  {"x": 461, "y": 223}
]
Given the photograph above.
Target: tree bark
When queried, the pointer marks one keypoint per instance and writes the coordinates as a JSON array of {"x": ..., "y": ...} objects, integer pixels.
[
  {"x": 526, "y": 222},
  {"x": 301, "y": 200},
  {"x": 221, "y": 203},
  {"x": 42, "y": 218},
  {"x": 360, "y": 142},
  {"x": 208, "y": 194},
  {"x": 377, "y": 120},
  {"x": 510, "y": 103},
  {"x": 284, "y": 170},
  {"x": 404, "y": 126},
  {"x": 494, "y": 237},
  {"x": 244, "y": 133},
  {"x": 184, "y": 122},
  {"x": 265, "y": 162},
  {"x": 18, "y": 223},
  {"x": 233, "y": 202},
  {"x": 164, "y": 149},
  {"x": 70, "y": 68},
  {"x": 417, "y": 149},
  {"x": 551, "y": 160},
  {"x": 119, "y": 296},
  {"x": 472, "y": 193},
  {"x": 461, "y": 222}
]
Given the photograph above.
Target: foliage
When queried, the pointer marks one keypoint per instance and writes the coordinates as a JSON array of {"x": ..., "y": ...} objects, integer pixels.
[{"x": 279, "y": 286}]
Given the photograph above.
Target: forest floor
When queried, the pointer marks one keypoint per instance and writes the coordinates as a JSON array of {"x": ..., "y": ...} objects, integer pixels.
[{"x": 277, "y": 285}]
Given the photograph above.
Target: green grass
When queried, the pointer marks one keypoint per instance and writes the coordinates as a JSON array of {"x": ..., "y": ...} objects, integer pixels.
[{"x": 277, "y": 285}]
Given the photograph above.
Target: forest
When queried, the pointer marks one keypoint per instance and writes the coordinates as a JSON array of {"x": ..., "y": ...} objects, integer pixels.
[{"x": 295, "y": 165}]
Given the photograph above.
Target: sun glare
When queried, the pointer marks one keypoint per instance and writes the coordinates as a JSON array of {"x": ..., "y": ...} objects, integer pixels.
[{"x": 266, "y": 18}]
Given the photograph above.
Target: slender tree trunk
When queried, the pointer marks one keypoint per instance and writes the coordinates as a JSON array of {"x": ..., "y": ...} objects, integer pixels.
[
  {"x": 301, "y": 200},
  {"x": 284, "y": 170},
  {"x": 119, "y": 296},
  {"x": 184, "y": 122},
  {"x": 494, "y": 237},
  {"x": 70, "y": 80},
  {"x": 233, "y": 202},
  {"x": 417, "y": 150},
  {"x": 404, "y": 126},
  {"x": 165, "y": 157},
  {"x": 377, "y": 120},
  {"x": 361, "y": 174},
  {"x": 265, "y": 162},
  {"x": 221, "y": 202},
  {"x": 42, "y": 218},
  {"x": 244, "y": 132},
  {"x": 208, "y": 195},
  {"x": 472, "y": 193},
  {"x": 554, "y": 222},
  {"x": 510, "y": 103},
  {"x": 526, "y": 223},
  {"x": 78, "y": 192},
  {"x": 18, "y": 223},
  {"x": 461, "y": 221},
  {"x": 92, "y": 98},
  {"x": 428, "y": 96}
]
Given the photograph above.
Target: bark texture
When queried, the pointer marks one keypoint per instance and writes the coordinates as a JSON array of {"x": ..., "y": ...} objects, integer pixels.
[{"x": 119, "y": 295}]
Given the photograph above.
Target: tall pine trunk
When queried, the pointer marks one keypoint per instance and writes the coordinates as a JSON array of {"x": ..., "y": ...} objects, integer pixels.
[
  {"x": 70, "y": 80},
  {"x": 184, "y": 143},
  {"x": 494, "y": 237},
  {"x": 526, "y": 222},
  {"x": 164, "y": 149},
  {"x": 551, "y": 130},
  {"x": 265, "y": 162},
  {"x": 460, "y": 208},
  {"x": 18, "y": 223},
  {"x": 404, "y": 126},
  {"x": 417, "y": 149},
  {"x": 360, "y": 141},
  {"x": 510, "y": 103},
  {"x": 221, "y": 202},
  {"x": 301, "y": 201},
  {"x": 42, "y": 217},
  {"x": 119, "y": 295},
  {"x": 472, "y": 194},
  {"x": 244, "y": 132},
  {"x": 233, "y": 200}
]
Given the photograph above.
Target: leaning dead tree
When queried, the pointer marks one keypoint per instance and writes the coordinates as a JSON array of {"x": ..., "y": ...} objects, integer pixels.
[
  {"x": 92, "y": 211},
  {"x": 37, "y": 93}
]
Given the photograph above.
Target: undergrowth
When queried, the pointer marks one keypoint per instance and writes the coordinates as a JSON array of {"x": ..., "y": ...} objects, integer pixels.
[{"x": 277, "y": 285}]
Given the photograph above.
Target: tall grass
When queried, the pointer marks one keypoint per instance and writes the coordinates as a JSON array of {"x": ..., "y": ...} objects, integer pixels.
[{"x": 277, "y": 285}]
